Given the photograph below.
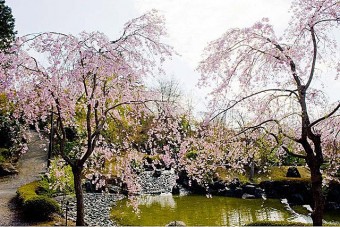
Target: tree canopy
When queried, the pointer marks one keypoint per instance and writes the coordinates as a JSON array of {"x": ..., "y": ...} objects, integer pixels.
[{"x": 272, "y": 80}]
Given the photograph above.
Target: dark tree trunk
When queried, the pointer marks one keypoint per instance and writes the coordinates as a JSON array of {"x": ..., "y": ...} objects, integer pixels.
[
  {"x": 318, "y": 198},
  {"x": 77, "y": 173}
]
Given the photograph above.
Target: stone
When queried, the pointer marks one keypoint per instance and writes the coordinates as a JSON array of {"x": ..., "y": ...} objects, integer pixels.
[
  {"x": 175, "y": 190},
  {"x": 249, "y": 189},
  {"x": 234, "y": 183},
  {"x": 238, "y": 192},
  {"x": 259, "y": 192},
  {"x": 296, "y": 199},
  {"x": 248, "y": 196},
  {"x": 157, "y": 173},
  {"x": 332, "y": 206},
  {"x": 157, "y": 182},
  {"x": 148, "y": 167},
  {"x": 7, "y": 169},
  {"x": 97, "y": 208},
  {"x": 293, "y": 172},
  {"x": 176, "y": 223},
  {"x": 89, "y": 187},
  {"x": 221, "y": 192},
  {"x": 219, "y": 184}
]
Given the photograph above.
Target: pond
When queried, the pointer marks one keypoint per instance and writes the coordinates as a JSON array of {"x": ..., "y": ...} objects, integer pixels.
[{"x": 195, "y": 210}]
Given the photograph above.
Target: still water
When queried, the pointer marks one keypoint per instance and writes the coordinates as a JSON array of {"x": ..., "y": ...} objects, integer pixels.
[{"x": 195, "y": 210}]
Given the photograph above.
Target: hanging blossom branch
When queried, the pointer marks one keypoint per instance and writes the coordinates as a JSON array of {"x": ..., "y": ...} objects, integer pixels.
[{"x": 249, "y": 96}]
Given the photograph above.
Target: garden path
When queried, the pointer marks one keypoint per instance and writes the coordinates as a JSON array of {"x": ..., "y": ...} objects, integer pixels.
[{"x": 30, "y": 166}]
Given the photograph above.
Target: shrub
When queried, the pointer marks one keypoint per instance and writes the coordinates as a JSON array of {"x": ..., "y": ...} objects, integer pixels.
[
  {"x": 36, "y": 206},
  {"x": 4, "y": 154},
  {"x": 40, "y": 207}
]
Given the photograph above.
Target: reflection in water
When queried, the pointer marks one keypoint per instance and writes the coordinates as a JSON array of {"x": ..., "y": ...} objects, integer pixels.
[
  {"x": 199, "y": 210},
  {"x": 163, "y": 200}
]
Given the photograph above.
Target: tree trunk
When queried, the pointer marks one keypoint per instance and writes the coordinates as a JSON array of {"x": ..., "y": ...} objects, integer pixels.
[
  {"x": 77, "y": 173},
  {"x": 252, "y": 170},
  {"x": 318, "y": 198}
]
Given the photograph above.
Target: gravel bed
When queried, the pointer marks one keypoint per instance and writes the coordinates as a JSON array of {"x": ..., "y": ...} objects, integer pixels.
[{"x": 97, "y": 208}]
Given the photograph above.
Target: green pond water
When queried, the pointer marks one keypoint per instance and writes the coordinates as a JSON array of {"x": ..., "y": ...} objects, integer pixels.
[{"x": 195, "y": 210}]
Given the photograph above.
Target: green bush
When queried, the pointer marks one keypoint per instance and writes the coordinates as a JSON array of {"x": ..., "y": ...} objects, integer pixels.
[
  {"x": 36, "y": 206},
  {"x": 40, "y": 207},
  {"x": 4, "y": 154}
]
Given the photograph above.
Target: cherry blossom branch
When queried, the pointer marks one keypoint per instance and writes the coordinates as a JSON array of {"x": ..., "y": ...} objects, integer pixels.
[
  {"x": 284, "y": 147},
  {"x": 255, "y": 127},
  {"x": 325, "y": 117},
  {"x": 267, "y": 121},
  {"x": 63, "y": 139},
  {"x": 291, "y": 62},
  {"x": 130, "y": 102},
  {"x": 315, "y": 49},
  {"x": 327, "y": 20},
  {"x": 292, "y": 153},
  {"x": 249, "y": 96}
]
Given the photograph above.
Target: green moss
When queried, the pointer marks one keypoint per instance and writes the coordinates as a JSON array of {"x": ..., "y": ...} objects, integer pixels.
[
  {"x": 277, "y": 223},
  {"x": 278, "y": 173},
  {"x": 273, "y": 173},
  {"x": 35, "y": 204},
  {"x": 27, "y": 191}
]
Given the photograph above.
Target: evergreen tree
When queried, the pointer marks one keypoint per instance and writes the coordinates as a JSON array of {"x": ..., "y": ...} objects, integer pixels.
[{"x": 7, "y": 33}]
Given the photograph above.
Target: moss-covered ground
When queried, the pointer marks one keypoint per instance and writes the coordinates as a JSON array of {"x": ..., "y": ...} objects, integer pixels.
[{"x": 272, "y": 173}]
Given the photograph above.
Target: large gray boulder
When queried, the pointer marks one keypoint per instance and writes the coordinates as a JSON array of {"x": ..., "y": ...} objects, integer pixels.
[{"x": 176, "y": 223}]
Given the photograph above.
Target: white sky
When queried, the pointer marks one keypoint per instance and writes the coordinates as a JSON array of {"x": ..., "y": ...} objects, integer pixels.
[{"x": 191, "y": 24}]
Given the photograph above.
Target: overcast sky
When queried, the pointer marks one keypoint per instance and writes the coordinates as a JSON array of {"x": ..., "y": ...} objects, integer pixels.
[{"x": 190, "y": 23}]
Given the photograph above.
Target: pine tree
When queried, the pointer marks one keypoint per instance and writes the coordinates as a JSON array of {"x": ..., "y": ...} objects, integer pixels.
[{"x": 7, "y": 33}]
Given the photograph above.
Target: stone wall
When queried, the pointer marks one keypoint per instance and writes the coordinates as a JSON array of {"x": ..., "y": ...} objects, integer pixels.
[{"x": 157, "y": 182}]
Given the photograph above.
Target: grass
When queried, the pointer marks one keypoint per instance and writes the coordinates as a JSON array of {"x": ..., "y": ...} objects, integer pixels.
[
  {"x": 55, "y": 220},
  {"x": 278, "y": 173},
  {"x": 273, "y": 173}
]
